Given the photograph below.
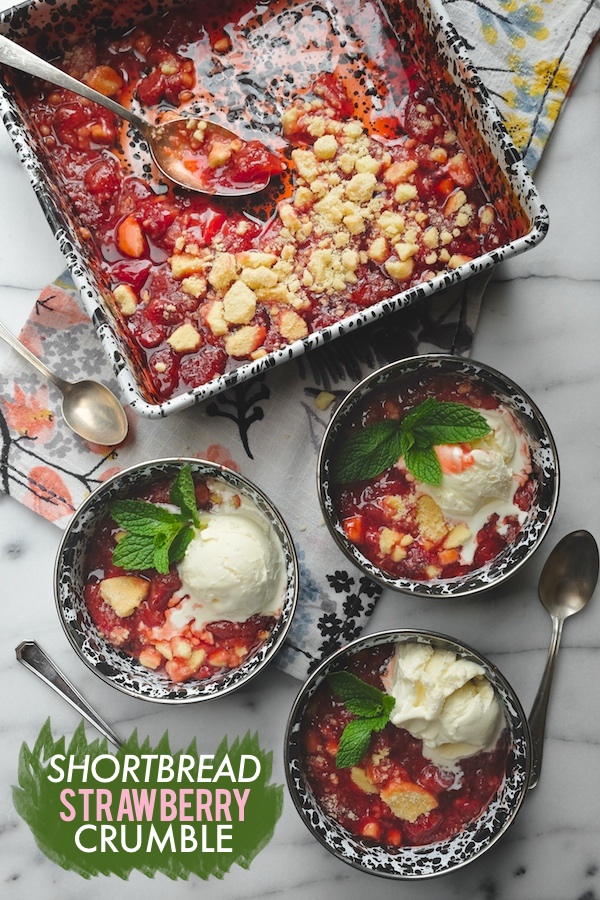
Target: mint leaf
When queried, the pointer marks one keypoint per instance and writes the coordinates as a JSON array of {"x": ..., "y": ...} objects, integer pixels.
[
  {"x": 162, "y": 542},
  {"x": 180, "y": 544},
  {"x": 368, "y": 452},
  {"x": 183, "y": 494},
  {"x": 134, "y": 551},
  {"x": 372, "y": 708},
  {"x": 158, "y": 550},
  {"x": 350, "y": 688},
  {"x": 389, "y": 703},
  {"x": 364, "y": 708},
  {"x": 437, "y": 422},
  {"x": 419, "y": 412},
  {"x": 406, "y": 441},
  {"x": 354, "y": 743},
  {"x": 379, "y": 722},
  {"x": 442, "y": 422},
  {"x": 424, "y": 465},
  {"x": 143, "y": 518},
  {"x": 356, "y": 738}
]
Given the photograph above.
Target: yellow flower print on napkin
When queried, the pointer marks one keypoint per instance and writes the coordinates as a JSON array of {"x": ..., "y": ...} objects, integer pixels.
[
  {"x": 550, "y": 75},
  {"x": 529, "y": 57}
]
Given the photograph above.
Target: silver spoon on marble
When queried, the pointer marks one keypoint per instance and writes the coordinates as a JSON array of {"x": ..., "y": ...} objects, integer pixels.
[
  {"x": 89, "y": 408},
  {"x": 31, "y": 655},
  {"x": 566, "y": 585},
  {"x": 165, "y": 140}
]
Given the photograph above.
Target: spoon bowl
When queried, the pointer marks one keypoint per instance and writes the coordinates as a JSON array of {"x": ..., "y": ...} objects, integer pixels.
[
  {"x": 93, "y": 412},
  {"x": 89, "y": 408},
  {"x": 180, "y": 157},
  {"x": 177, "y": 156},
  {"x": 569, "y": 575},
  {"x": 566, "y": 585}
]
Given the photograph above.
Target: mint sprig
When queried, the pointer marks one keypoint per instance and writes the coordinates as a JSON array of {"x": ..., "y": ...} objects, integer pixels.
[
  {"x": 373, "y": 449},
  {"x": 372, "y": 709},
  {"x": 156, "y": 537}
]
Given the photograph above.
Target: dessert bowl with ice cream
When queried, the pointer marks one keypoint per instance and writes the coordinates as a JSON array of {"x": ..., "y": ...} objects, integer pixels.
[
  {"x": 407, "y": 754},
  {"x": 438, "y": 476},
  {"x": 176, "y": 580}
]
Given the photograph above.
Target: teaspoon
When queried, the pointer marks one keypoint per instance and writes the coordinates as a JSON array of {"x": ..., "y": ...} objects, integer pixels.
[
  {"x": 89, "y": 408},
  {"x": 31, "y": 655},
  {"x": 167, "y": 141},
  {"x": 566, "y": 584}
]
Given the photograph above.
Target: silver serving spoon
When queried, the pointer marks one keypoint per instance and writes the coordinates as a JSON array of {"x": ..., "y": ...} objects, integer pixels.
[
  {"x": 160, "y": 138},
  {"x": 567, "y": 582},
  {"x": 31, "y": 655},
  {"x": 89, "y": 408}
]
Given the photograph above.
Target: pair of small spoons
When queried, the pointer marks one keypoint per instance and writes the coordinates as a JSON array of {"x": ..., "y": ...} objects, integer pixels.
[{"x": 566, "y": 584}]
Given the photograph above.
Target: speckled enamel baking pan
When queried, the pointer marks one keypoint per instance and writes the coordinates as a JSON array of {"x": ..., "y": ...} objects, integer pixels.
[{"x": 48, "y": 27}]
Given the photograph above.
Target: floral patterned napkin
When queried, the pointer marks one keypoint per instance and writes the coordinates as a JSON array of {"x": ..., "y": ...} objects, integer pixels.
[
  {"x": 270, "y": 428},
  {"x": 528, "y": 54}
]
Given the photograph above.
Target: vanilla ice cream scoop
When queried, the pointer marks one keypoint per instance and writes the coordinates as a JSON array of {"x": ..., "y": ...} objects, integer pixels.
[
  {"x": 444, "y": 700},
  {"x": 232, "y": 569},
  {"x": 473, "y": 477}
]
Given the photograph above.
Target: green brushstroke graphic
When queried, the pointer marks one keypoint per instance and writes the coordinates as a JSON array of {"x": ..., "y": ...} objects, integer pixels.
[{"x": 229, "y": 819}]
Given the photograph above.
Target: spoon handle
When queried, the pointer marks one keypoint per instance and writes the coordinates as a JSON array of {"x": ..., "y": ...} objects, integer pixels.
[
  {"x": 537, "y": 717},
  {"x": 20, "y": 348},
  {"x": 17, "y": 57},
  {"x": 31, "y": 655}
]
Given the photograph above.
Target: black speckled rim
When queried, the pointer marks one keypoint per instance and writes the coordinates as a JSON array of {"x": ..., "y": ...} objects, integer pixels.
[
  {"x": 112, "y": 665},
  {"x": 544, "y": 457},
  {"x": 498, "y": 162},
  {"x": 411, "y": 863}
]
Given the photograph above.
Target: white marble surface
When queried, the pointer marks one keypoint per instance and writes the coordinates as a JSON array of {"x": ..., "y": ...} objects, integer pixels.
[{"x": 540, "y": 324}]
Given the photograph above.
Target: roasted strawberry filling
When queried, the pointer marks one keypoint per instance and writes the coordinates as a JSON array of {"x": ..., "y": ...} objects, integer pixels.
[{"x": 371, "y": 192}]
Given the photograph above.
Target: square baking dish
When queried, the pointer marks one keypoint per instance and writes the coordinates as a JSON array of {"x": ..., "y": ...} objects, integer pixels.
[{"x": 438, "y": 53}]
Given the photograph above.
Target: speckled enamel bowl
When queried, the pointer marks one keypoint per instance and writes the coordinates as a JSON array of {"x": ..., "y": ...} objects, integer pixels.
[
  {"x": 543, "y": 455},
  {"x": 113, "y": 665},
  {"x": 430, "y": 860},
  {"x": 49, "y": 26}
]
